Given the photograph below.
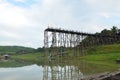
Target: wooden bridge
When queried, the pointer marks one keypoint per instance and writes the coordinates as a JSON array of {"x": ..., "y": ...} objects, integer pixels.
[{"x": 56, "y": 40}]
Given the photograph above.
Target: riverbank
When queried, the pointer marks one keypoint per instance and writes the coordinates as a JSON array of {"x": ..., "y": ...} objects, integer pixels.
[
  {"x": 22, "y": 60},
  {"x": 99, "y": 59}
]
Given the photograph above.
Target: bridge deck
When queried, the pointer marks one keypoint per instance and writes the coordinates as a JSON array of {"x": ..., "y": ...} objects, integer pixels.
[{"x": 74, "y": 32}]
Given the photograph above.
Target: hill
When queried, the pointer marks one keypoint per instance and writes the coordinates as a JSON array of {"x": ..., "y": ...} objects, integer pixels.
[
  {"x": 15, "y": 49},
  {"x": 104, "y": 52}
]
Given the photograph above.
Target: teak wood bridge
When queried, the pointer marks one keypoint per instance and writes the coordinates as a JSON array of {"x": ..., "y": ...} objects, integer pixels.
[{"x": 57, "y": 41}]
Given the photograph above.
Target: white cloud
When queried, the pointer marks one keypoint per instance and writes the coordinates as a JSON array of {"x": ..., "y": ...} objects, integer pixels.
[
  {"x": 104, "y": 14},
  {"x": 104, "y": 5},
  {"x": 26, "y": 25},
  {"x": 12, "y": 16},
  {"x": 92, "y": 2},
  {"x": 5, "y": 43},
  {"x": 9, "y": 34}
]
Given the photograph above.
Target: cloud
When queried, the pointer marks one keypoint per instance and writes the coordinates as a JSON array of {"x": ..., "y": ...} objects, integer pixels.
[
  {"x": 106, "y": 15},
  {"x": 21, "y": 25},
  {"x": 12, "y": 16},
  {"x": 104, "y": 5},
  {"x": 8, "y": 34},
  {"x": 92, "y": 2}
]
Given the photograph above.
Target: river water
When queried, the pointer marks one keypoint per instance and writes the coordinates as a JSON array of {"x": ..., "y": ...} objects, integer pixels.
[
  {"x": 54, "y": 70},
  {"x": 35, "y": 72}
]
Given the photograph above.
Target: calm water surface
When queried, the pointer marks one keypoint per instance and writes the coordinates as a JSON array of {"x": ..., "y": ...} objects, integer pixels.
[{"x": 35, "y": 72}]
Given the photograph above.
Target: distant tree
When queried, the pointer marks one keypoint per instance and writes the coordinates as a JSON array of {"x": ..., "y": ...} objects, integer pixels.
[
  {"x": 40, "y": 49},
  {"x": 114, "y": 30},
  {"x": 106, "y": 32}
]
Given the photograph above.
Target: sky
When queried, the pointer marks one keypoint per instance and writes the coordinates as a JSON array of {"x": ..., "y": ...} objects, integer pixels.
[{"x": 22, "y": 22}]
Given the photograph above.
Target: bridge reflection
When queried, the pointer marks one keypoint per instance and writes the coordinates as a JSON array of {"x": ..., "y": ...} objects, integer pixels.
[{"x": 62, "y": 73}]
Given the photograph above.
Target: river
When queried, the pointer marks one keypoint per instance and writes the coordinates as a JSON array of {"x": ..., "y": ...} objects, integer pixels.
[
  {"x": 54, "y": 70},
  {"x": 35, "y": 72}
]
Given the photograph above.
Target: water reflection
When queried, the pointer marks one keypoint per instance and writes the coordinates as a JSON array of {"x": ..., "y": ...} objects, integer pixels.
[
  {"x": 61, "y": 73},
  {"x": 34, "y": 72}
]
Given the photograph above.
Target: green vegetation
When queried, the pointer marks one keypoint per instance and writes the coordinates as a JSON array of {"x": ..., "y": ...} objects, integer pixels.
[
  {"x": 102, "y": 58},
  {"x": 13, "y": 63},
  {"x": 22, "y": 60},
  {"x": 112, "y": 31},
  {"x": 15, "y": 49},
  {"x": 32, "y": 57},
  {"x": 104, "y": 52},
  {"x": 19, "y": 56}
]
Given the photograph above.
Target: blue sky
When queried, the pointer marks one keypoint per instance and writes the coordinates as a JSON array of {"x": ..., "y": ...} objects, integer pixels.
[
  {"x": 21, "y": 3},
  {"x": 22, "y": 22}
]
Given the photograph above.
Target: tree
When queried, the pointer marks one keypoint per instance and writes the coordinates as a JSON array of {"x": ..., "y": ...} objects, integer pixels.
[
  {"x": 106, "y": 32},
  {"x": 40, "y": 49},
  {"x": 114, "y": 30}
]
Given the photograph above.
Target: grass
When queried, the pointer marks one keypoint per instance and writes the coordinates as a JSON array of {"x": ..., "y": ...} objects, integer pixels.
[
  {"x": 102, "y": 58},
  {"x": 104, "y": 53},
  {"x": 33, "y": 57}
]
